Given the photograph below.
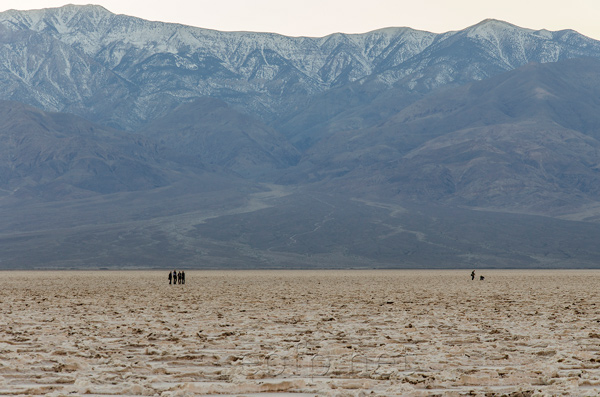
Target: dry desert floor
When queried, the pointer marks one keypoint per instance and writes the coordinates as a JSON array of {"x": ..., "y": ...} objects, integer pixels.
[{"x": 300, "y": 333}]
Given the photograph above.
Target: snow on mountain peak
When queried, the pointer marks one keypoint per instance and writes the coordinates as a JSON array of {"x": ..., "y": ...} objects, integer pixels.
[
  {"x": 180, "y": 62},
  {"x": 493, "y": 28}
]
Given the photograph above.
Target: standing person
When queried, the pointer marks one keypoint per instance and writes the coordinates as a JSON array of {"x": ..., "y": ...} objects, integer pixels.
[
  {"x": 174, "y": 277},
  {"x": 170, "y": 277},
  {"x": 182, "y": 277},
  {"x": 473, "y": 275},
  {"x": 179, "y": 278}
]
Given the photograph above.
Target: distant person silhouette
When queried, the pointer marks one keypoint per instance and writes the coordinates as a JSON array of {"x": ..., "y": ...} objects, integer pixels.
[
  {"x": 174, "y": 277},
  {"x": 179, "y": 278},
  {"x": 473, "y": 275},
  {"x": 170, "y": 277},
  {"x": 182, "y": 277}
]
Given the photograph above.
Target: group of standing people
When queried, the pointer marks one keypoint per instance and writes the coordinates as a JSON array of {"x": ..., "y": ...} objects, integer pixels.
[{"x": 176, "y": 277}]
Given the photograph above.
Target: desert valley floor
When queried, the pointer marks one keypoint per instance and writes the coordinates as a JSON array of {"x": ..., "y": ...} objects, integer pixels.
[{"x": 302, "y": 333}]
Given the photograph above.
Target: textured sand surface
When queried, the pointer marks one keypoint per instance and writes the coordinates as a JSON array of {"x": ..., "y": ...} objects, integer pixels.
[{"x": 340, "y": 333}]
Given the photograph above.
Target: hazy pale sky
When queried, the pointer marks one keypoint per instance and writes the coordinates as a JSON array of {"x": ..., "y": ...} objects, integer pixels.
[{"x": 322, "y": 17}]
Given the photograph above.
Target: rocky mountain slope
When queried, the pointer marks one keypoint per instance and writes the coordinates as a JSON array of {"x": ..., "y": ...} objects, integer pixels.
[
  {"x": 209, "y": 131},
  {"x": 55, "y": 156},
  {"x": 525, "y": 140}
]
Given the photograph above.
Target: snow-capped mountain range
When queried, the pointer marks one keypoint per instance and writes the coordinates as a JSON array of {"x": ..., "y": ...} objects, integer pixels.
[
  {"x": 124, "y": 71},
  {"x": 125, "y": 142}
]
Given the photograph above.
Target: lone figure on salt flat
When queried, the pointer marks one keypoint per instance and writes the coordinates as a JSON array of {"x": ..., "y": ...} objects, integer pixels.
[{"x": 473, "y": 275}]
